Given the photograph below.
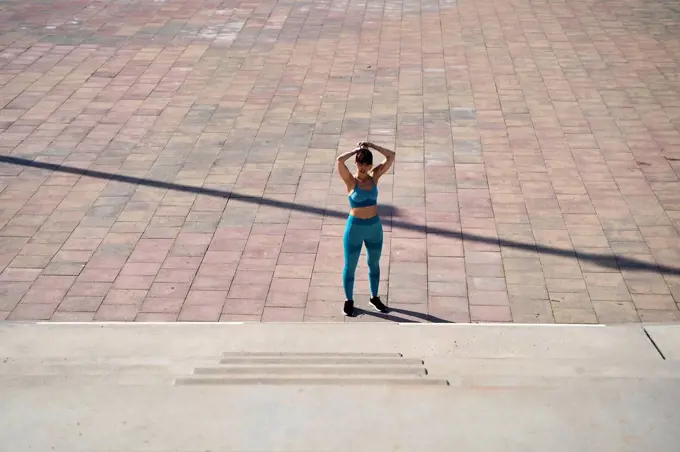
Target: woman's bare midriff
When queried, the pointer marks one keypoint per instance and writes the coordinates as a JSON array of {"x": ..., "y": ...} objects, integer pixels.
[{"x": 364, "y": 213}]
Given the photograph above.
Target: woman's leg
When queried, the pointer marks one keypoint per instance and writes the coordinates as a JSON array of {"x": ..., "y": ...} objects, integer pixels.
[
  {"x": 374, "y": 243},
  {"x": 351, "y": 242}
]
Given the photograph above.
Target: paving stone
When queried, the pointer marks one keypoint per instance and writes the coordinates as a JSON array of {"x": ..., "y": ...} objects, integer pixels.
[
  {"x": 182, "y": 262},
  {"x": 169, "y": 290},
  {"x": 488, "y": 298},
  {"x": 436, "y": 316},
  {"x": 98, "y": 274},
  {"x": 399, "y": 295},
  {"x": 615, "y": 311},
  {"x": 252, "y": 291},
  {"x": 41, "y": 295},
  {"x": 63, "y": 269},
  {"x": 33, "y": 311},
  {"x": 243, "y": 306},
  {"x": 11, "y": 292},
  {"x": 175, "y": 275},
  {"x": 658, "y": 315},
  {"x": 89, "y": 289},
  {"x": 293, "y": 271},
  {"x": 79, "y": 316},
  {"x": 257, "y": 264},
  {"x": 80, "y": 304},
  {"x": 485, "y": 313},
  {"x": 527, "y": 292},
  {"x": 240, "y": 318},
  {"x": 607, "y": 287},
  {"x": 200, "y": 313},
  {"x": 315, "y": 310},
  {"x": 445, "y": 269},
  {"x": 133, "y": 282},
  {"x": 125, "y": 297},
  {"x": 155, "y": 317},
  {"x": 531, "y": 310},
  {"x": 649, "y": 284},
  {"x": 565, "y": 285},
  {"x": 206, "y": 297},
  {"x": 275, "y": 314},
  {"x": 253, "y": 277},
  {"x": 455, "y": 304},
  {"x": 53, "y": 282},
  {"x": 20, "y": 274},
  {"x": 570, "y": 300},
  {"x": 408, "y": 250},
  {"x": 116, "y": 312},
  {"x": 649, "y": 302},
  {"x": 482, "y": 284},
  {"x": 140, "y": 269},
  {"x": 574, "y": 315},
  {"x": 162, "y": 304}
]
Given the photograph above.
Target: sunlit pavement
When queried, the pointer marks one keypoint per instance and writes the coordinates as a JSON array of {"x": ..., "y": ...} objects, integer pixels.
[{"x": 174, "y": 160}]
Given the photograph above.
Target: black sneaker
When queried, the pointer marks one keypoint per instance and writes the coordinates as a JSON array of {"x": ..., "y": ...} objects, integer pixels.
[
  {"x": 348, "y": 309},
  {"x": 378, "y": 305}
]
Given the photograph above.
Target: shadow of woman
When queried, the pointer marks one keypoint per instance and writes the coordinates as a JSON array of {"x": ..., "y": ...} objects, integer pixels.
[{"x": 396, "y": 318}]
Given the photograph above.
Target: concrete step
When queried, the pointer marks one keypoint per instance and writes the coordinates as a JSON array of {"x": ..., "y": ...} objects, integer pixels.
[
  {"x": 328, "y": 360},
  {"x": 313, "y": 380},
  {"x": 342, "y": 370},
  {"x": 312, "y": 368},
  {"x": 310, "y": 355}
]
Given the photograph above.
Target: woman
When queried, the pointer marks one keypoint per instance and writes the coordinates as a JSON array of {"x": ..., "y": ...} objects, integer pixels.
[{"x": 363, "y": 224}]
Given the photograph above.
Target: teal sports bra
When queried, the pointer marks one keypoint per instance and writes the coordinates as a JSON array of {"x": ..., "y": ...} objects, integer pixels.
[{"x": 363, "y": 198}]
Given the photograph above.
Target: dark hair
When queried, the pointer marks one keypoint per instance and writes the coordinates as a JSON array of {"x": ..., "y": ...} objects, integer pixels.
[{"x": 364, "y": 156}]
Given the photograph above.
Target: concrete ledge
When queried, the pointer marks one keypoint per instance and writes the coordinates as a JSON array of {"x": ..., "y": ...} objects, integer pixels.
[
  {"x": 486, "y": 388},
  {"x": 207, "y": 340}
]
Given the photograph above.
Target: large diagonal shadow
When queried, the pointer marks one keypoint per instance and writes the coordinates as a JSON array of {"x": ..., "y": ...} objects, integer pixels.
[{"x": 607, "y": 261}]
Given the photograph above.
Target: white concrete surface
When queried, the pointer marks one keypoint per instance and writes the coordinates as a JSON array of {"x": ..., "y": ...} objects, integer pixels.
[
  {"x": 612, "y": 417},
  {"x": 111, "y": 387},
  {"x": 175, "y": 340},
  {"x": 667, "y": 339}
]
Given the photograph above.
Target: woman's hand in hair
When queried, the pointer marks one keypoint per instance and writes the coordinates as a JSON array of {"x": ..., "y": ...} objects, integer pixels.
[{"x": 383, "y": 167}]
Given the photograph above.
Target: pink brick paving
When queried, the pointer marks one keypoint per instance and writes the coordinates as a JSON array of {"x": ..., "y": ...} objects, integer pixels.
[{"x": 536, "y": 179}]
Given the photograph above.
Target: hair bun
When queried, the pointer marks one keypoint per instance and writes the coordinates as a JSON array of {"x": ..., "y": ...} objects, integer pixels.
[{"x": 364, "y": 156}]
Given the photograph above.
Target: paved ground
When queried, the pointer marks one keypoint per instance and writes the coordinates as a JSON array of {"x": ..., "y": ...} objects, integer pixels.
[
  {"x": 536, "y": 178},
  {"x": 332, "y": 387}
]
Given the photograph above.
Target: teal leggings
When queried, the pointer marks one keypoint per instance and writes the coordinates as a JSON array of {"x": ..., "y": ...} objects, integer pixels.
[{"x": 357, "y": 233}]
